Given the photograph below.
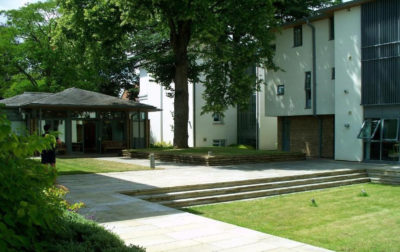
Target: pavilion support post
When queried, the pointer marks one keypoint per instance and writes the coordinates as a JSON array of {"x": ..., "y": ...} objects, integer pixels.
[
  {"x": 68, "y": 132},
  {"x": 127, "y": 131}
]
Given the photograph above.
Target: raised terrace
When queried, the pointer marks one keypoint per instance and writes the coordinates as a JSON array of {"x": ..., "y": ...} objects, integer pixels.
[{"x": 215, "y": 156}]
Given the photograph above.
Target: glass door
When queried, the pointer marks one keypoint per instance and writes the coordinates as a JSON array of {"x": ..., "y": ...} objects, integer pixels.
[{"x": 381, "y": 139}]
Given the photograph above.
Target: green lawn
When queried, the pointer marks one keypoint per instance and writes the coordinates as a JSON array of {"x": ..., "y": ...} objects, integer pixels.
[
  {"x": 92, "y": 165},
  {"x": 217, "y": 151},
  {"x": 342, "y": 220}
]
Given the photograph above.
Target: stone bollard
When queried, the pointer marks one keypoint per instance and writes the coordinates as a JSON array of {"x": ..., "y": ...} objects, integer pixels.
[{"x": 152, "y": 161}]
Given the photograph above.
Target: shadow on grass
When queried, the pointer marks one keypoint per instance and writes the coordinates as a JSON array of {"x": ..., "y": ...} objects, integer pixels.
[
  {"x": 87, "y": 155},
  {"x": 73, "y": 172},
  {"x": 192, "y": 211}
]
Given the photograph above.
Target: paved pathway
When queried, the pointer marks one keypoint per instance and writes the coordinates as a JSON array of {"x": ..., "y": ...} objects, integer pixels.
[{"x": 159, "y": 228}]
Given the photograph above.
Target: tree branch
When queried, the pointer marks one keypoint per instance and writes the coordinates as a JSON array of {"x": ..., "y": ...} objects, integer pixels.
[{"x": 28, "y": 76}]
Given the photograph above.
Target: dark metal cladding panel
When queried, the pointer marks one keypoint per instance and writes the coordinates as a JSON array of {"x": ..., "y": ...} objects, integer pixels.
[
  {"x": 380, "y": 42},
  {"x": 247, "y": 123}
]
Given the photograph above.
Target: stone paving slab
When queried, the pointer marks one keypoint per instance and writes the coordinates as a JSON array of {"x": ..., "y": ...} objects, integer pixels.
[{"x": 159, "y": 228}]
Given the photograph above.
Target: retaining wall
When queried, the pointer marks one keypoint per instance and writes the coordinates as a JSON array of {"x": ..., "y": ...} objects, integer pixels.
[
  {"x": 216, "y": 160},
  {"x": 384, "y": 176}
]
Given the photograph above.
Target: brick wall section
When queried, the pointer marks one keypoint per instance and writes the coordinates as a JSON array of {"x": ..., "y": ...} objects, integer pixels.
[
  {"x": 328, "y": 136},
  {"x": 304, "y": 135},
  {"x": 280, "y": 119}
]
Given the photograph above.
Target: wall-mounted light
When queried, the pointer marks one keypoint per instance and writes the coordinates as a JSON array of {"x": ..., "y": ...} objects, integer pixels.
[
  {"x": 347, "y": 125},
  {"x": 346, "y": 91},
  {"x": 350, "y": 57},
  {"x": 349, "y": 112}
]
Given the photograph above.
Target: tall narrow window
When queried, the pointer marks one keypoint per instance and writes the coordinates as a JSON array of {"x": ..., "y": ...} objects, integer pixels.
[
  {"x": 297, "y": 36},
  {"x": 331, "y": 28},
  {"x": 333, "y": 74},
  {"x": 307, "y": 88}
]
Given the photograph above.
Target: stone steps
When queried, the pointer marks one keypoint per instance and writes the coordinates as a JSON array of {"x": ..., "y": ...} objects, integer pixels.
[
  {"x": 238, "y": 182},
  {"x": 190, "y": 195},
  {"x": 257, "y": 194},
  {"x": 246, "y": 188}
]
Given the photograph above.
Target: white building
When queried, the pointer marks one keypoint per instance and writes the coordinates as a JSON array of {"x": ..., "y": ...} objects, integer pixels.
[
  {"x": 337, "y": 80},
  {"x": 251, "y": 127}
]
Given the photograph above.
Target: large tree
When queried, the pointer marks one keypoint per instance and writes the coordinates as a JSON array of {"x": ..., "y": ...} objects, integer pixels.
[
  {"x": 36, "y": 57},
  {"x": 179, "y": 42}
]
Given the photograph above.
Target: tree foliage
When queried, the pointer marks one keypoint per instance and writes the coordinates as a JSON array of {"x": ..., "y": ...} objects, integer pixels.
[
  {"x": 290, "y": 10},
  {"x": 37, "y": 57},
  {"x": 98, "y": 44}
]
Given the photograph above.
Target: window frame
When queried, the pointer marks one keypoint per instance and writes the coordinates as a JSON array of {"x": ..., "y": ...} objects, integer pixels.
[
  {"x": 383, "y": 130},
  {"x": 298, "y": 36},
  {"x": 280, "y": 90},
  {"x": 373, "y": 132},
  {"x": 219, "y": 118},
  {"x": 219, "y": 142},
  {"x": 308, "y": 89},
  {"x": 332, "y": 28}
]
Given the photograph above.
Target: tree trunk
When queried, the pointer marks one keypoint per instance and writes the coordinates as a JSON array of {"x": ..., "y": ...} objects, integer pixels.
[
  {"x": 181, "y": 106},
  {"x": 180, "y": 36}
]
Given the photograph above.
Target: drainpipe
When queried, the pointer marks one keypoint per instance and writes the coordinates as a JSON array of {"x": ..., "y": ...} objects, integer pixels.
[
  {"x": 161, "y": 114},
  {"x": 194, "y": 114},
  {"x": 314, "y": 79},
  {"x": 257, "y": 114}
]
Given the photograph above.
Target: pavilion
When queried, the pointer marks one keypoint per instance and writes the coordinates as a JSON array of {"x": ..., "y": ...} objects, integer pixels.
[{"x": 87, "y": 121}]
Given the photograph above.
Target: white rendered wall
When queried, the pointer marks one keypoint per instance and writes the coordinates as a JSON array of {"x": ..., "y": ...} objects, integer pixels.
[
  {"x": 207, "y": 130},
  {"x": 348, "y": 110},
  {"x": 294, "y": 62},
  {"x": 268, "y": 126},
  {"x": 162, "y": 123}
]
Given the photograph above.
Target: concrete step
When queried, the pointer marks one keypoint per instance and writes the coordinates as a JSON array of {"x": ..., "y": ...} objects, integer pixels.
[
  {"x": 239, "y": 182},
  {"x": 179, "y": 203},
  {"x": 246, "y": 188}
]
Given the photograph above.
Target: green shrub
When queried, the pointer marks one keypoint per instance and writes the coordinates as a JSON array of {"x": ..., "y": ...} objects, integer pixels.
[
  {"x": 242, "y": 146},
  {"x": 28, "y": 210},
  {"x": 162, "y": 144},
  {"x": 79, "y": 234},
  {"x": 33, "y": 214}
]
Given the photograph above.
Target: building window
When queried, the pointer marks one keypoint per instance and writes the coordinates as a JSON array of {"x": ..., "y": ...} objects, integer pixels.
[
  {"x": 307, "y": 88},
  {"x": 219, "y": 142},
  {"x": 333, "y": 73},
  {"x": 280, "y": 90},
  {"x": 297, "y": 36},
  {"x": 369, "y": 129},
  {"x": 331, "y": 28},
  {"x": 217, "y": 118}
]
